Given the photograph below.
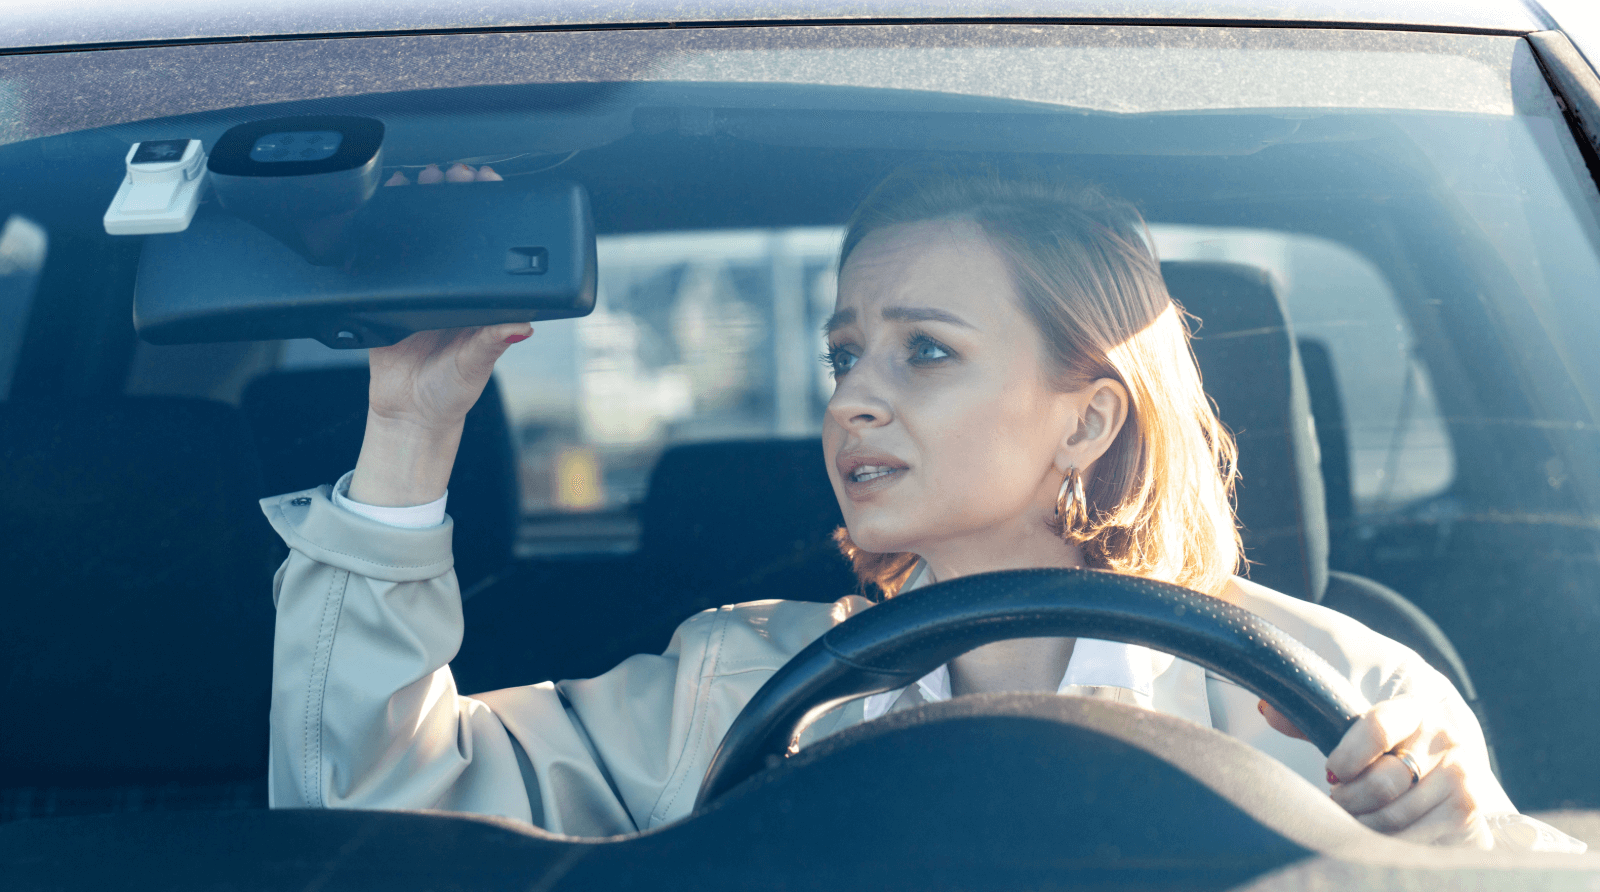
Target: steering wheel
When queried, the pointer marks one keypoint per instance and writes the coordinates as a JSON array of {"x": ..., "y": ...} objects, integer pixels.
[{"x": 905, "y": 638}]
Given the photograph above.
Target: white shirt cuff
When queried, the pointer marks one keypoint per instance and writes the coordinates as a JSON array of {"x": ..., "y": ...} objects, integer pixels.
[{"x": 414, "y": 517}]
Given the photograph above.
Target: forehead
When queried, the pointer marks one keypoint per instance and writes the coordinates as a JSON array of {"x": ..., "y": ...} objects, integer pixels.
[{"x": 942, "y": 264}]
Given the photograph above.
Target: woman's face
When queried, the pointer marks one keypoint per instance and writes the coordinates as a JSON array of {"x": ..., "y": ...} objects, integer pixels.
[{"x": 944, "y": 436}]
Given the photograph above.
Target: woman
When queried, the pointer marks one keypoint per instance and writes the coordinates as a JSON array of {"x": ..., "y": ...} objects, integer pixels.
[{"x": 1014, "y": 389}]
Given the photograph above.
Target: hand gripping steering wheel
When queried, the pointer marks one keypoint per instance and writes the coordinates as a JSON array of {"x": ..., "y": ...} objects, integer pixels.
[{"x": 905, "y": 638}]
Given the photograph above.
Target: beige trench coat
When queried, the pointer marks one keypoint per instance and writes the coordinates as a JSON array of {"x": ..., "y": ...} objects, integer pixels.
[{"x": 365, "y": 713}]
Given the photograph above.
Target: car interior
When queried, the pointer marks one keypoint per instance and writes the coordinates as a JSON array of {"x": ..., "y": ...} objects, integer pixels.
[
  {"x": 140, "y": 657},
  {"x": 700, "y": 545}
]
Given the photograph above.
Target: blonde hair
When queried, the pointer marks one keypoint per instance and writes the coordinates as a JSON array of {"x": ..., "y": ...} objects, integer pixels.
[{"x": 1159, "y": 501}]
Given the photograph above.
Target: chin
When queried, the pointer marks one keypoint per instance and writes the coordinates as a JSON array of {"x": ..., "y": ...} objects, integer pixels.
[{"x": 877, "y": 538}]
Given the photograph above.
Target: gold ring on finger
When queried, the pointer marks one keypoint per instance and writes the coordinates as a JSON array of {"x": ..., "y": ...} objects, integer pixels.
[{"x": 1410, "y": 762}]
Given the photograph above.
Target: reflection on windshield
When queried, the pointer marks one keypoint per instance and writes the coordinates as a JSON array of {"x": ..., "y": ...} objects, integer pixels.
[{"x": 23, "y": 246}]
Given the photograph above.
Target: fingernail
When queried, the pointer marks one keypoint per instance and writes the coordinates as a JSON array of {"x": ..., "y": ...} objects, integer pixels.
[
  {"x": 515, "y": 338},
  {"x": 430, "y": 174},
  {"x": 1333, "y": 779}
]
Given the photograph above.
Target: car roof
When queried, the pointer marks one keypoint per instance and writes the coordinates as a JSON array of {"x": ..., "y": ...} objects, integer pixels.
[{"x": 27, "y": 25}]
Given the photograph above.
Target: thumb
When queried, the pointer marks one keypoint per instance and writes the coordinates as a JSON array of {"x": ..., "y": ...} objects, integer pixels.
[
  {"x": 1277, "y": 721},
  {"x": 478, "y": 356}
]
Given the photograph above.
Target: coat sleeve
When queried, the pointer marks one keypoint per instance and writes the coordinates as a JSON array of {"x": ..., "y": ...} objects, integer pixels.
[{"x": 365, "y": 712}]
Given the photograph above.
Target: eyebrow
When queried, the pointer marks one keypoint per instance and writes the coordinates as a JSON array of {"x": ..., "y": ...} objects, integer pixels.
[{"x": 896, "y": 314}]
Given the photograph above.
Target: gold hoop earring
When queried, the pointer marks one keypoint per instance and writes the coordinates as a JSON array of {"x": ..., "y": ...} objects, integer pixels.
[{"x": 1071, "y": 510}]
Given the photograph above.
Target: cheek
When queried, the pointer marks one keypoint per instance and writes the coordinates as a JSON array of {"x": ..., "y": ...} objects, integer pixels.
[
  {"x": 989, "y": 451},
  {"x": 832, "y": 441}
]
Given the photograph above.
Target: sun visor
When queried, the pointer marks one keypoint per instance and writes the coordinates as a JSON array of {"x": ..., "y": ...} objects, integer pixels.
[{"x": 419, "y": 257}]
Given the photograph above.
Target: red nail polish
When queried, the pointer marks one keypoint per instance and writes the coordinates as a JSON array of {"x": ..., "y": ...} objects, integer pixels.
[
  {"x": 1333, "y": 779},
  {"x": 515, "y": 338}
]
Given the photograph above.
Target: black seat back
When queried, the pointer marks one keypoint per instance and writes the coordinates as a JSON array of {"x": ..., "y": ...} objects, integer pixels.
[
  {"x": 1251, "y": 368},
  {"x": 747, "y": 513},
  {"x": 308, "y": 426},
  {"x": 136, "y": 647}
]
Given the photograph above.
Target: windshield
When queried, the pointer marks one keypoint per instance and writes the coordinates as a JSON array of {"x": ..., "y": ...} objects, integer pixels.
[{"x": 1416, "y": 202}]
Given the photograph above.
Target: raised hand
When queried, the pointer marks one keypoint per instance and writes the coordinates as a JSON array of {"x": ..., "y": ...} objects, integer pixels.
[{"x": 421, "y": 390}]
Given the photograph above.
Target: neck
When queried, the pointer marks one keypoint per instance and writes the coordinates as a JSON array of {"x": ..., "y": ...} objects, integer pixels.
[
  {"x": 1008, "y": 548},
  {"x": 1020, "y": 664}
]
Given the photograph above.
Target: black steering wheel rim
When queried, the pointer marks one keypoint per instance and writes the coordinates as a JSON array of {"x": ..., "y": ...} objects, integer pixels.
[{"x": 903, "y": 639}]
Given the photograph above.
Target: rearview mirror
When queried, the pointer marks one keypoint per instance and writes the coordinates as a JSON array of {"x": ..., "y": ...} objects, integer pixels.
[{"x": 421, "y": 257}]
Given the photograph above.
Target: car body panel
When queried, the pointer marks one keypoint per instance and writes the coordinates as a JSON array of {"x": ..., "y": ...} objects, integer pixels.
[{"x": 33, "y": 26}]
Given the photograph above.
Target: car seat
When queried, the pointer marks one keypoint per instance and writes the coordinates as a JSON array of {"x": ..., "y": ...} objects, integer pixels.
[
  {"x": 721, "y": 522},
  {"x": 136, "y": 651},
  {"x": 703, "y": 526},
  {"x": 1333, "y": 446},
  {"x": 1377, "y": 606},
  {"x": 1252, "y": 367},
  {"x": 308, "y": 425}
]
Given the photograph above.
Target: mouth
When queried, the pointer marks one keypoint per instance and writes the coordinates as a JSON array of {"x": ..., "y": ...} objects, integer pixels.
[
  {"x": 864, "y": 473},
  {"x": 872, "y": 472}
]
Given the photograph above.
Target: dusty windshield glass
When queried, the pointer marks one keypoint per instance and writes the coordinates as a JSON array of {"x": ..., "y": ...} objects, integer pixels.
[{"x": 1415, "y": 204}]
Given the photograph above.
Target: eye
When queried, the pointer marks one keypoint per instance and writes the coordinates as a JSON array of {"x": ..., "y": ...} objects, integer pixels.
[
  {"x": 838, "y": 359},
  {"x": 926, "y": 351}
]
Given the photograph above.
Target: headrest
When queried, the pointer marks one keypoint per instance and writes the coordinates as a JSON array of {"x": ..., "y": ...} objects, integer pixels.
[
  {"x": 308, "y": 425},
  {"x": 136, "y": 644},
  {"x": 716, "y": 513},
  {"x": 1251, "y": 368}
]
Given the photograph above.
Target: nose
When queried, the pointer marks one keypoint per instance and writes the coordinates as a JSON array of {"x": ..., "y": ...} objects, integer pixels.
[{"x": 859, "y": 400}]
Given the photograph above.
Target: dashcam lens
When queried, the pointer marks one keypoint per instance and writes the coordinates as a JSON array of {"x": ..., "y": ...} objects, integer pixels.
[{"x": 299, "y": 145}]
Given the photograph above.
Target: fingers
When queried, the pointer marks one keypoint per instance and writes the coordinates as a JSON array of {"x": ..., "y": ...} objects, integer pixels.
[
  {"x": 458, "y": 173},
  {"x": 1455, "y": 789},
  {"x": 1438, "y": 798},
  {"x": 1440, "y": 811},
  {"x": 1277, "y": 720},
  {"x": 1382, "y": 785},
  {"x": 1384, "y": 727}
]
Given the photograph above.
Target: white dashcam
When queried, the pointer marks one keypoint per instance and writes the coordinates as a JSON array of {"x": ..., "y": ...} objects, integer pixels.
[{"x": 162, "y": 188}]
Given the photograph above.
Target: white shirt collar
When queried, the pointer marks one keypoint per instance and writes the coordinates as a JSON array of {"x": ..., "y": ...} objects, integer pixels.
[{"x": 1095, "y": 664}]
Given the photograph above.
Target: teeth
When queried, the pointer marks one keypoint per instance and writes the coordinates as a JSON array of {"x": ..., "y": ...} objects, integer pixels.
[{"x": 871, "y": 472}]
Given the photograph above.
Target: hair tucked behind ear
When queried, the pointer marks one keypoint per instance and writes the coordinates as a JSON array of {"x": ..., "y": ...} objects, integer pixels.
[{"x": 1160, "y": 499}]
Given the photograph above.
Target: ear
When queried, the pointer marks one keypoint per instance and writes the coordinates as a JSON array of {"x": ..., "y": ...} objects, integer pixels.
[{"x": 1100, "y": 410}]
